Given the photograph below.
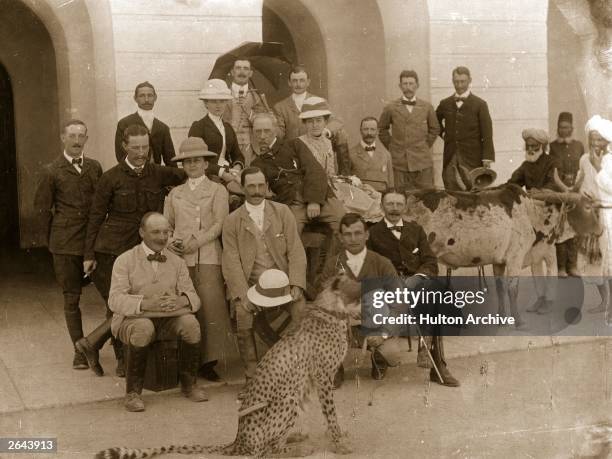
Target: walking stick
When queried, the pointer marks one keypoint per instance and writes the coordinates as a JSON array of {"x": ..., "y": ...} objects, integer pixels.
[{"x": 422, "y": 341}]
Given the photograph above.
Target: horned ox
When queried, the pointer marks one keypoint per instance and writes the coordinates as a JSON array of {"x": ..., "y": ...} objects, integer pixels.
[{"x": 500, "y": 226}]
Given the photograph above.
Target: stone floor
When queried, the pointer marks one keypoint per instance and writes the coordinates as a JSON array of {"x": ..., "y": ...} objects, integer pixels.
[{"x": 35, "y": 353}]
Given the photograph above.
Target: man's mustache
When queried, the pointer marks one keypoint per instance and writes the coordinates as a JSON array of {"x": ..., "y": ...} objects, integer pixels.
[{"x": 258, "y": 195}]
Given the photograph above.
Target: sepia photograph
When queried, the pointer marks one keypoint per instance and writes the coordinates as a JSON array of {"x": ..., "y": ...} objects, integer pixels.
[{"x": 305, "y": 228}]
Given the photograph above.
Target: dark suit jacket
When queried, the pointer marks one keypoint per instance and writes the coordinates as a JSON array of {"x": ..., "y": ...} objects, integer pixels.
[
  {"x": 205, "y": 129},
  {"x": 467, "y": 132},
  {"x": 410, "y": 254},
  {"x": 159, "y": 138},
  {"x": 293, "y": 174},
  {"x": 121, "y": 200},
  {"x": 62, "y": 202}
]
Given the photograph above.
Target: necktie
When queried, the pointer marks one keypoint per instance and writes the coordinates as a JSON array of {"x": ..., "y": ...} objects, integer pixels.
[
  {"x": 77, "y": 161},
  {"x": 370, "y": 148},
  {"x": 138, "y": 170},
  {"x": 157, "y": 256},
  {"x": 408, "y": 102}
]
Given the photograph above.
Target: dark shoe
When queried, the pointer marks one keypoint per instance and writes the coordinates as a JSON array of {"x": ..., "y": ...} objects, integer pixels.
[
  {"x": 91, "y": 354},
  {"x": 537, "y": 305},
  {"x": 207, "y": 371},
  {"x": 546, "y": 307},
  {"x": 339, "y": 377},
  {"x": 573, "y": 272},
  {"x": 379, "y": 366},
  {"x": 120, "y": 370},
  {"x": 79, "y": 361},
  {"x": 133, "y": 402},
  {"x": 194, "y": 393},
  {"x": 562, "y": 274},
  {"x": 448, "y": 378}
]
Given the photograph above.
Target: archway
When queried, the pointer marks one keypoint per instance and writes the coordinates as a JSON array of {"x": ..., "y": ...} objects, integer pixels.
[{"x": 9, "y": 207}]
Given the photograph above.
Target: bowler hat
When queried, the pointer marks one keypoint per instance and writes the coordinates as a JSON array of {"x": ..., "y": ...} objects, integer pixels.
[
  {"x": 193, "y": 147},
  {"x": 272, "y": 289},
  {"x": 215, "y": 90},
  {"x": 313, "y": 107}
]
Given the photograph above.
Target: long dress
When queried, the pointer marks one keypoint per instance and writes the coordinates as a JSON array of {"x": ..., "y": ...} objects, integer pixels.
[{"x": 596, "y": 267}]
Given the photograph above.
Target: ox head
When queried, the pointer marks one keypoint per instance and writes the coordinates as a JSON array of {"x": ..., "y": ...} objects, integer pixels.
[{"x": 584, "y": 216}]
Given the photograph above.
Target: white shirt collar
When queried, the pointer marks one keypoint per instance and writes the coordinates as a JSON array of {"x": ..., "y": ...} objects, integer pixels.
[
  {"x": 465, "y": 94},
  {"x": 409, "y": 100},
  {"x": 389, "y": 224},
  {"x": 70, "y": 158},
  {"x": 147, "y": 249},
  {"x": 257, "y": 209},
  {"x": 355, "y": 262},
  {"x": 193, "y": 183},
  {"x": 236, "y": 89},
  {"x": 145, "y": 114},
  {"x": 216, "y": 119},
  {"x": 299, "y": 99},
  {"x": 363, "y": 144},
  {"x": 130, "y": 165}
]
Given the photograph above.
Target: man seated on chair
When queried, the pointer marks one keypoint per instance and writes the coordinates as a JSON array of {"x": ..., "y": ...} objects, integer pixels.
[{"x": 152, "y": 297}]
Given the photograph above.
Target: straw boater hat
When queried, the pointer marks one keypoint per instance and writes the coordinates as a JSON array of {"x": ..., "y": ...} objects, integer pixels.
[
  {"x": 313, "y": 107},
  {"x": 272, "y": 289},
  {"x": 481, "y": 177},
  {"x": 215, "y": 90},
  {"x": 193, "y": 147}
]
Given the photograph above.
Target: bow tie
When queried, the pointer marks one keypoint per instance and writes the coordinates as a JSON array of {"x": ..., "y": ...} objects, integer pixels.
[
  {"x": 157, "y": 256},
  {"x": 138, "y": 170},
  {"x": 460, "y": 99},
  {"x": 395, "y": 228},
  {"x": 241, "y": 93},
  {"x": 77, "y": 161},
  {"x": 408, "y": 102},
  {"x": 370, "y": 148}
]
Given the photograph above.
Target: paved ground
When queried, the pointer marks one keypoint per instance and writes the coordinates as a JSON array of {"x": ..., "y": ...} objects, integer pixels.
[
  {"x": 521, "y": 395},
  {"x": 531, "y": 404}
]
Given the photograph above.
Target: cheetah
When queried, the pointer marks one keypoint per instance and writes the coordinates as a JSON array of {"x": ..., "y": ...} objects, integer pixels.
[{"x": 304, "y": 360}]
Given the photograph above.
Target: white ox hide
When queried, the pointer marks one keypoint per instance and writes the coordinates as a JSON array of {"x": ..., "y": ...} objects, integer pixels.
[{"x": 498, "y": 226}]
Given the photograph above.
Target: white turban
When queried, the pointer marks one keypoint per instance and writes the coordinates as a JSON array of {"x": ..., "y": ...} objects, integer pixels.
[{"x": 601, "y": 125}]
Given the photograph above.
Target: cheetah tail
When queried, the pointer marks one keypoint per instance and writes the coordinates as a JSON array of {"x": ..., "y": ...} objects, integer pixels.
[{"x": 133, "y": 453}]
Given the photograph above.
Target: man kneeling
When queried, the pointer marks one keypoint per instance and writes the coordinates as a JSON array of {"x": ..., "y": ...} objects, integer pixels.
[{"x": 152, "y": 297}]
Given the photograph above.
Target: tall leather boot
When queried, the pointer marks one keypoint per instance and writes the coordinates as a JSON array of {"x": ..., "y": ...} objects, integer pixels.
[
  {"x": 562, "y": 259},
  {"x": 188, "y": 370},
  {"x": 134, "y": 381},
  {"x": 437, "y": 352},
  {"x": 118, "y": 348},
  {"x": 72, "y": 315},
  {"x": 248, "y": 351},
  {"x": 90, "y": 346},
  {"x": 572, "y": 257}
]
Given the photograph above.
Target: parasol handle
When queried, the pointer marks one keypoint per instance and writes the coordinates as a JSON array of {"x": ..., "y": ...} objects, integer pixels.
[{"x": 263, "y": 99}]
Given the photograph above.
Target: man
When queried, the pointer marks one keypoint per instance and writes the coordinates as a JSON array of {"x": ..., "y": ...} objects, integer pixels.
[
  {"x": 408, "y": 128},
  {"x": 162, "y": 147},
  {"x": 315, "y": 115},
  {"x": 244, "y": 103},
  {"x": 296, "y": 178},
  {"x": 62, "y": 200},
  {"x": 405, "y": 244},
  {"x": 567, "y": 152},
  {"x": 196, "y": 211},
  {"x": 371, "y": 161},
  {"x": 290, "y": 125},
  {"x": 218, "y": 134},
  {"x": 360, "y": 264},
  {"x": 259, "y": 235},
  {"x": 124, "y": 194},
  {"x": 539, "y": 170},
  {"x": 467, "y": 132},
  {"x": 152, "y": 297}
]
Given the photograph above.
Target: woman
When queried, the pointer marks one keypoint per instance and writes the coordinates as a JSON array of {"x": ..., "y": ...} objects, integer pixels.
[{"x": 196, "y": 210}]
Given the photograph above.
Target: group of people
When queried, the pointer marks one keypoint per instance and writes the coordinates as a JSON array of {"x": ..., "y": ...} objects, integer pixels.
[{"x": 170, "y": 260}]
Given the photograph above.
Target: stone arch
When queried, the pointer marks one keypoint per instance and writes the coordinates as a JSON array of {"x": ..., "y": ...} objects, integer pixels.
[
  {"x": 351, "y": 69},
  {"x": 56, "y": 75}
]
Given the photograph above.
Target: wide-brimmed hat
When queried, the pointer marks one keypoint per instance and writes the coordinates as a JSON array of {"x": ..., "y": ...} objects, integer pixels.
[
  {"x": 482, "y": 177},
  {"x": 215, "y": 90},
  {"x": 313, "y": 107},
  {"x": 272, "y": 289},
  {"x": 193, "y": 147}
]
